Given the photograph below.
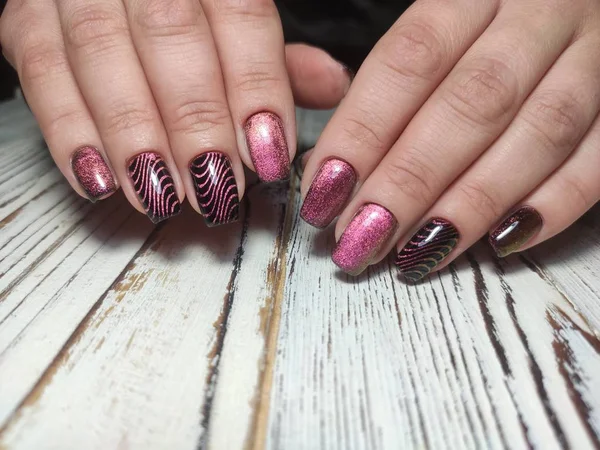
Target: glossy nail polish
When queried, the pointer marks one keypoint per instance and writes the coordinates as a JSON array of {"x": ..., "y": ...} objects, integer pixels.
[
  {"x": 216, "y": 188},
  {"x": 92, "y": 173},
  {"x": 515, "y": 231},
  {"x": 154, "y": 186},
  {"x": 363, "y": 238},
  {"x": 427, "y": 249},
  {"x": 268, "y": 147},
  {"x": 330, "y": 190}
]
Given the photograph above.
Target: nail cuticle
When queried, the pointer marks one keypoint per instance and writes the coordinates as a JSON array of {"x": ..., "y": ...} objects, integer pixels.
[
  {"x": 216, "y": 188},
  {"x": 154, "y": 186},
  {"x": 427, "y": 248}
]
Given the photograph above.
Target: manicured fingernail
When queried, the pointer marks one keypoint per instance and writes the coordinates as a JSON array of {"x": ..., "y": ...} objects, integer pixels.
[
  {"x": 330, "y": 190},
  {"x": 363, "y": 238},
  {"x": 268, "y": 147},
  {"x": 93, "y": 174},
  {"x": 154, "y": 186},
  {"x": 427, "y": 249},
  {"x": 516, "y": 230},
  {"x": 216, "y": 188}
]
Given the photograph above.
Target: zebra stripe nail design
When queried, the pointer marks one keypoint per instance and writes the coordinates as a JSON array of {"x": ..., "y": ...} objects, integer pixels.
[
  {"x": 427, "y": 249},
  {"x": 216, "y": 188},
  {"x": 154, "y": 186}
]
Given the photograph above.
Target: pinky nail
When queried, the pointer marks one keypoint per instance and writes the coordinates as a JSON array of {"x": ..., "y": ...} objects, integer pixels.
[
  {"x": 364, "y": 237},
  {"x": 330, "y": 190},
  {"x": 515, "y": 231},
  {"x": 427, "y": 249},
  {"x": 154, "y": 186},
  {"x": 268, "y": 147},
  {"x": 92, "y": 173}
]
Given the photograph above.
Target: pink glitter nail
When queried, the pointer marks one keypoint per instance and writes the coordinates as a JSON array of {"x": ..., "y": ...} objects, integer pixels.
[
  {"x": 363, "y": 238},
  {"x": 93, "y": 174},
  {"x": 328, "y": 193},
  {"x": 268, "y": 147}
]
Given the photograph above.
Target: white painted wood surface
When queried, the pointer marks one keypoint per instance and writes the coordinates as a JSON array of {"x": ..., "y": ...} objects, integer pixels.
[{"x": 118, "y": 335}]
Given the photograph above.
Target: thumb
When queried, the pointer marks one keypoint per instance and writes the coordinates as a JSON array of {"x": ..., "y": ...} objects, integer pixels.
[{"x": 318, "y": 81}]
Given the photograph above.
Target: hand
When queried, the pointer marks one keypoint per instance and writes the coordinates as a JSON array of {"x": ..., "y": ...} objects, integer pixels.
[
  {"x": 165, "y": 97},
  {"x": 464, "y": 112}
]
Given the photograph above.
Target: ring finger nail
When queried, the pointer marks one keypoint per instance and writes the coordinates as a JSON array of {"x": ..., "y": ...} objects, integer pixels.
[
  {"x": 216, "y": 188},
  {"x": 515, "y": 231},
  {"x": 328, "y": 193},
  {"x": 92, "y": 173},
  {"x": 268, "y": 147},
  {"x": 154, "y": 186},
  {"x": 427, "y": 248},
  {"x": 363, "y": 238}
]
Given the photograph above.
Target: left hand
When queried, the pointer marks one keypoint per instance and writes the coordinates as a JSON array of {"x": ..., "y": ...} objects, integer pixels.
[{"x": 464, "y": 112}]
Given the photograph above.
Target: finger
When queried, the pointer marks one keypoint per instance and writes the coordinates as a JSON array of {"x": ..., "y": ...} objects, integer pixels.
[
  {"x": 396, "y": 79},
  {"x": 546, "y": 130},
  {"x": 114, "y": 86},
  {"x": 250, "y": 44},
  {"x": 177, "y": 52},
  {"x": 558, "y": 202},
  {"x": 38, "y": 54},
  {"x": 474, "y": 105},
  {"x": 318, "y": 81}
]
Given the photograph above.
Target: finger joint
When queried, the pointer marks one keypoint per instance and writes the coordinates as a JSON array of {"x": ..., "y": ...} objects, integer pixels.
[{"x": 483, "y": 94}]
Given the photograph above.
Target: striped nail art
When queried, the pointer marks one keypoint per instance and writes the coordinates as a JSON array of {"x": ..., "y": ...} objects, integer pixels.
[
  {"x": 216, "y": 188},
  {"x": 427, "y": 249},
  {"x": 154, "y": 186}
]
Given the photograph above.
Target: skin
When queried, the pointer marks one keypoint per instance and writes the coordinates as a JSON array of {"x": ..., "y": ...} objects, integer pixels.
[
  {"x": 179, "y": 77},
  {"x": 467, "y": 109}
]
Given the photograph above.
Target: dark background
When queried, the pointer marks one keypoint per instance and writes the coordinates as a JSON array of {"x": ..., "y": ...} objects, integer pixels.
[{"x": 347, "y": 29}]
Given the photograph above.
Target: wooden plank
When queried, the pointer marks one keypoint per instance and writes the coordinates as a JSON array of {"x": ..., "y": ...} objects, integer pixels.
[
  {"x": 151, "y": 364},
  {"x": 572, "y": 262}
]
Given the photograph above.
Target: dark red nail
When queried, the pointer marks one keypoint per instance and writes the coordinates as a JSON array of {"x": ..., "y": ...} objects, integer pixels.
[
  {"x": 427, "y": 249},
  {"x": 330, "y": 190},
  {"x": 93, "y": 173},
  {"x": 515, "y": 231}
]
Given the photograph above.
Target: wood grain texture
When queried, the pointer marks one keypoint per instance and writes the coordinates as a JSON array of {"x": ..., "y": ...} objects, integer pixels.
[{"x": 118, "y": 334}]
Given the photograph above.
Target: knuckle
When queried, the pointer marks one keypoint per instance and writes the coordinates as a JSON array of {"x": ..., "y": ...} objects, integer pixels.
[
  {"x": 483, "y": 93},
  {"x": 199, "y": 116},
  {"x": 245, "y": 10},
  {"x": 18, "y": 25},
  {"x": 40, "y": 59},
  {"x": 557, "y": 118},
  {"x": 411, "y": 174},
  {"x": 481, "y": 199},
  {"x": 413, "y": 51},
  {"x": 92, "y": 27},
  {"x": 366, "y": 131},
  {"x": 579, "y": 195},
  {"x": 167, "y": 17},
  {"x": 65, "y": 119},
  {"x": 258, "y": 79},
  {"x": 126, "y": 117}
]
